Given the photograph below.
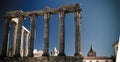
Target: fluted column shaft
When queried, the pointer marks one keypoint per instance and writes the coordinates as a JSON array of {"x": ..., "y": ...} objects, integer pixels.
[
  {"x": 26, "y": 43},
  {"x": 22, "y": 41},
  {"x": 18, "y": 40},
  {"x": 61, "y": 34},
  {"x": 77, "y": 34},
  {"x": 46, "y": 34},
  {"x": 32, "y": 35},
  {"x": 14, "y": 38},
  {"x": 5, "y": 39}
]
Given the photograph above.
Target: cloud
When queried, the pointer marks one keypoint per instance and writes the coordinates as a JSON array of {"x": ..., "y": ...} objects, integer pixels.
[
  {"x": 37, "y": 53},
  {"x": 35, "y": 50}
]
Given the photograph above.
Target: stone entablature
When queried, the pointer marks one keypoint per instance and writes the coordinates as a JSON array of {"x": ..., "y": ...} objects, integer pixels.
[{"x": 67, "y": 9}]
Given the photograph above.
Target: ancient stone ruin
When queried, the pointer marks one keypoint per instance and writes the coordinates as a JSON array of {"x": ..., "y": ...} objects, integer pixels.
[{"x": 17, "y": 18}]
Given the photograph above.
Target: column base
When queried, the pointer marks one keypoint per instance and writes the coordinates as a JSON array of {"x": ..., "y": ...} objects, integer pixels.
[
  {"x": 45, "y": 54},
  {"x": 78, "y": 54},
  {"x": 3, "y": 55},
  {"x": 61, "y": 54},
  {"x": 30, "y": 55},
  {"x": 17, "y": 55}
]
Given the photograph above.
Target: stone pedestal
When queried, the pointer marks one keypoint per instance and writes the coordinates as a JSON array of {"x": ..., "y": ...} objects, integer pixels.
[{"x": 43, "y": 59}]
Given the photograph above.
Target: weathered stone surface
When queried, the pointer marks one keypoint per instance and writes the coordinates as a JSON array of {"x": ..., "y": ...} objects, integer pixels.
[
  {"x": 73, "y": 8},
  {"x": 61, "y": 34},
  {"x": 32, "y": 35},
  {"x": 67, "y": 8},
  {"x": 46, "y": 34},
  {"x": 42, "y": 59},
  {"x": 5, "y": 39},
  {"x": 77, "y": 21}
]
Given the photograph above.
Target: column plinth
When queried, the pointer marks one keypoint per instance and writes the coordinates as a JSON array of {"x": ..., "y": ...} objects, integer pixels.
[
  {"x": 46, "y": 34},
  {"x": 32, "y": 35},
  {"x": 61, "y": 34}
]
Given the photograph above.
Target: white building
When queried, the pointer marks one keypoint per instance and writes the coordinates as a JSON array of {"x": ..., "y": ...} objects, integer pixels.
[
  {"x": 118, "y": 51},
  {"x": 91, "y": 57},
  {"x": 37, "y": 53},
  {"x": 54, "y": 52},
  {"x": 116, "y": 48},
  {"x": 97, "y": 59}
]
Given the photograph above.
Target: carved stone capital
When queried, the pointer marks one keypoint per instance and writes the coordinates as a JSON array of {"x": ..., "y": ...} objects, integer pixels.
[
  {"x": 77, "y": 17},
  {"x": 33, "y": 18},
  {"x": 47, "y": 16},
  {"x": 7, "y": 19},
  {"x": 61, "y": 14},
  {"x": 77, "y": 13}
]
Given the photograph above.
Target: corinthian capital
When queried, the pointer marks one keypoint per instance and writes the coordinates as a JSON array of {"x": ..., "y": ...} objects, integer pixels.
[
  {"x": 47, "y": 16},
  {"x": 61, "y": 14}
]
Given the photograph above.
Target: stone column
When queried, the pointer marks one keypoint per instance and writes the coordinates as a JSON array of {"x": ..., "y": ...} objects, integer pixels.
[
  {"x": 18, "y": 40},
  {"x": 26, "y": 43},
  {"x": 5, "y": 38},
  {"x": 32, "y": 35},
  {"x": 77, "y": 33},
  {"x": 61, "y": 34},
  {"x": 46, "y": 34},
  {"x": 14, "y": 38},
  {"x": 22, "y": 42}
]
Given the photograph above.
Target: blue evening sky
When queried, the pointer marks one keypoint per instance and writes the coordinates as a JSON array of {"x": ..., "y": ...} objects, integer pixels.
[{"x": 100, "y": 24}]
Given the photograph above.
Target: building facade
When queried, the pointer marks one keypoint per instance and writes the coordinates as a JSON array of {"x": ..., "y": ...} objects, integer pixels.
[
  {"x": 37, "y": 53},
  {"x": 54, "y": 52},
  {"x": 115, "y": 45},
  {"x": 91, "y": 57}
]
